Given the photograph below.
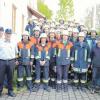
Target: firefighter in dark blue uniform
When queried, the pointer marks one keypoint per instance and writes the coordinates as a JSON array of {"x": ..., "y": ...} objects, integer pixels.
[
  {"x": 52, "y": 41},
  {"x": 26, "y": 57},
  {"x": 30, "y": 26},
  {"x": 81, "y": 58},
  {"x": 42, "y": 57},
  {"x": 63, "y": 61}
]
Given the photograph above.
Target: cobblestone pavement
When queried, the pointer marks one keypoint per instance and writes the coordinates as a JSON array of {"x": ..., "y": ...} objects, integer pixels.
[{"x": 72, "y": 94}]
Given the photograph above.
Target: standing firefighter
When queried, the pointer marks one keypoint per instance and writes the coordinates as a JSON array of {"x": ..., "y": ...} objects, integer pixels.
[
  {"x": 42, "y": 57},
  {"x": 81, "y": 58},
  {"x": 52, "y": 41},
  {"x": 26, "y": 56},
  {"x": 63, "y": 61}
]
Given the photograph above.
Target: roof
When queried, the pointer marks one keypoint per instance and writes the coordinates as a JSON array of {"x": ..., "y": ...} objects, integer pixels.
[{"x": 35, "y": 12}]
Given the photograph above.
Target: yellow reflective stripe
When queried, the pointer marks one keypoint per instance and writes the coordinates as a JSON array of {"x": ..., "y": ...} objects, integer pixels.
[
  {"x": 28, "y": 78},
  {"x": 68, "y": 53},
  {"x": 83, "y": 81},
  {"x": 76, "y": 53},
  {"x": 76, "y": 81},
  {"x": 45, "y": 81},
  {"x": 59, "y": 51},
  {"x": 20, "y": 79},
  {"x": 37, "y": 81},
  {"x": 85, "y": 58}
]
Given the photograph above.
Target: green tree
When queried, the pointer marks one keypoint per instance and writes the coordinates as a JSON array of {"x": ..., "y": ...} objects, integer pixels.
[
  {"x": 66, "y": 9},
  {"x": 43, "y": 8}
]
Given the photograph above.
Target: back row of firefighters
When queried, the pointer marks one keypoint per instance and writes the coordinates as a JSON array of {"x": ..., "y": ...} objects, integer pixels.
[{"x": 53, "y": 54}]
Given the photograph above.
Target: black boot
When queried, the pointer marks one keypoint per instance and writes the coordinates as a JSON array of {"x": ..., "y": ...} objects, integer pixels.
[
  {"x": 53, "y": 85},
  {"x": 58, "y": 87},
  {"x": 46, "y": 87},
  {"x": 0, "y": 94},
  {"x": 65, "y": 85},
  {"x": 11, "y": 93},
  {"x": 36, "y": 87}
]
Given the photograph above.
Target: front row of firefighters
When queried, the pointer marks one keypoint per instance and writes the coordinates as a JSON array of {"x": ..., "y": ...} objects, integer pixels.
[{"x": 54, "y": 57}]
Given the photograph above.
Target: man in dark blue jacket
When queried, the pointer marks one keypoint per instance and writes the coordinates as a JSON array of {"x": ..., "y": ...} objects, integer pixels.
[{"x": 95, "y": 56}]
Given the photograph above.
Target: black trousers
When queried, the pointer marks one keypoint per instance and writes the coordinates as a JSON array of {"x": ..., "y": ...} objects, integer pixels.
[{"x": 7, "y": 67}]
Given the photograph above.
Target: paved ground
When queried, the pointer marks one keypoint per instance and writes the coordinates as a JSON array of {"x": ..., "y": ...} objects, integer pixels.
[{"x": 72, "y": 94}]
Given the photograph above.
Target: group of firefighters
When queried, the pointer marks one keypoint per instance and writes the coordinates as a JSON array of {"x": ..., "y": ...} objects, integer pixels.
[{"x": 53, "y": 53}]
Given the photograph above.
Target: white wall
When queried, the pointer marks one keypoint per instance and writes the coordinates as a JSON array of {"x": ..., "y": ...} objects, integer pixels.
[{"x": 6, "y": 14}]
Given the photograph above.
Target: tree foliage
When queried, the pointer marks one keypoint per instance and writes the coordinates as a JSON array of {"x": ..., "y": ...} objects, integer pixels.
[
  {"x": 66, "y": 9},
  {"x": 43, "y": 8}
]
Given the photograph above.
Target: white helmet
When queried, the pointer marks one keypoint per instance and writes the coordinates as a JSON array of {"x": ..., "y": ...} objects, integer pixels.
[
  {"x": 25, "y": 33},
  {"x": 43, "y": 35},
  {"x": 36, "y": 28},
  {"x": 62, "y": 27},
  {"x": 65, "y": 32},
  {"x": 70, "y": 29},
  {"x": 75, "y": 30},
  {"x": 81, "y": 34},
  {"x": 52, "y": 31},
  {"x": 58, "y": 31}
]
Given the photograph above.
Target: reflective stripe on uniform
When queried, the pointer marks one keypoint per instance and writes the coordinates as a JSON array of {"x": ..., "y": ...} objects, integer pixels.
[
  {"x": 45, "y": 81},
  {"x": 59, "y": 51},
  {"x": 37, "y": 81},
  {"x": 65, "y": 81},
  {"x": 20, "y": 79},
  {"x": 28, "y": 78},
  {"x": 89, "y": 59},
  {"x": 76, "y": 53},
  {"x": 68, "y": 53},
  {"x": 83, "y": 81},
  {"x": 48, "y": 57},
  {"x": 59, "y": 82},
  {"x": 72, "y": 58},
  {"x": 80, "y": 70},
  {"x": 52, "y": 79},
  {"x": 29, "y": 54},
  {"x": 39, "y": 55},
  {"x": 85, "y": 57},
  {"x": 76, "y": 81},
  {"x": 84, "y": 70},
  {"x": 32, "y": 56}
]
